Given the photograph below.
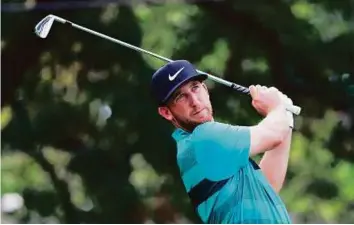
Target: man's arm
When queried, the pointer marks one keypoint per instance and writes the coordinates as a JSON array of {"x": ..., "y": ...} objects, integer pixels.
[
  {"x": 274, "y": 163},
  {"x": 227, "y": 148},
  {"x": 275, "y": 160},
  {"x": 270, "y": 132}
]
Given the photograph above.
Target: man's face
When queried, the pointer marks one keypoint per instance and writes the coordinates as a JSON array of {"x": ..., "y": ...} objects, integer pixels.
[{"x": 189, "y": 106}]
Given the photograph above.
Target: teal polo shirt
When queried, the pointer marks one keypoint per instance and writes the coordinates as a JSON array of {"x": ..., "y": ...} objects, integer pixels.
[{"x": 225, "y": 185}]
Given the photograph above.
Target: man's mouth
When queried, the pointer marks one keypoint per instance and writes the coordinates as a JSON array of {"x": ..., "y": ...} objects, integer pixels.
[{"x": 199, "y": 111}]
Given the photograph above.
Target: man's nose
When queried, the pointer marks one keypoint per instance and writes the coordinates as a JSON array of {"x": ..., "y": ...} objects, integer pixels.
[{"x": 194, "y": 100}]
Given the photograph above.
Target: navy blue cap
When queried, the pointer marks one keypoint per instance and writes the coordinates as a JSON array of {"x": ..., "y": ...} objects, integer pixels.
[{"x": 170, "y": 77}]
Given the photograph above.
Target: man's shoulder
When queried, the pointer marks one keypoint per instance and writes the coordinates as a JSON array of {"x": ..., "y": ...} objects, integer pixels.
[
  {"x": 207, "y": 125},
  {"x": 207, "y": 128},
  {"x": 217, "y": 130}
]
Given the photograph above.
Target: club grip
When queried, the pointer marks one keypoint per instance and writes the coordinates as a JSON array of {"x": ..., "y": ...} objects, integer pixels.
[{"x": 291, "y": 108}]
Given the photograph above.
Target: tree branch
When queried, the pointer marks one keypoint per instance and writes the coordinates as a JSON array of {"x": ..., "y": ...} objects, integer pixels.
[{"x": 60, "y": 186}]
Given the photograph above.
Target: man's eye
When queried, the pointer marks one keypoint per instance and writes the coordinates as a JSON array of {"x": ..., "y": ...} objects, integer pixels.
[{"x": 195, "y": 87}]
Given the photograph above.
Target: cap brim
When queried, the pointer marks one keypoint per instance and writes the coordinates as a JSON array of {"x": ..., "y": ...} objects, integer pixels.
[{"x": 201, "y": 77}]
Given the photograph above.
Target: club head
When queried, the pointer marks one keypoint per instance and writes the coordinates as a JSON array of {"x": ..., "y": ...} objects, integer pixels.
[{"x": 43, "y": 27}]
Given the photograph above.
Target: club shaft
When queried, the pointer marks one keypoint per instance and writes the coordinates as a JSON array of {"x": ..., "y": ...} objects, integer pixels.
[
  {"x": 292, "y": 108},
  {"x": 120, "y": 42},
  {"x": 216, "y": 79}
]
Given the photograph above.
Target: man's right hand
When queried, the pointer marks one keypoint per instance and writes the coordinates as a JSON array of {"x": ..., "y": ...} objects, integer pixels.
[
  {"x": 265, "y": 99},
  {"x": 273, "y": 129}
]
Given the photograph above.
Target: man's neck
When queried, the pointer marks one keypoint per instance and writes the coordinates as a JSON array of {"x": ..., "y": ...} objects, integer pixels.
[{"x": 190, "y": 128}]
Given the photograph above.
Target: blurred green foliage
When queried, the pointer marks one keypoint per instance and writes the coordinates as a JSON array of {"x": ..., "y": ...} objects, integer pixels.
[{"x": 69, "y": 166}]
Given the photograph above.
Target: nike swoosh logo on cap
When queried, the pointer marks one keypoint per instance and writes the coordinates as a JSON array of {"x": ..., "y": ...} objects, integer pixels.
[{"x": 171, "y": 78}]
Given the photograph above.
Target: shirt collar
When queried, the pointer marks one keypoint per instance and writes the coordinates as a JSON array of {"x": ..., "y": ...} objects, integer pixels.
[{"x": 179, "y": 134}]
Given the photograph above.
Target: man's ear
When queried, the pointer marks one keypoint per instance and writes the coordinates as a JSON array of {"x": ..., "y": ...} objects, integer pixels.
[{"x": 165, "y": 113}]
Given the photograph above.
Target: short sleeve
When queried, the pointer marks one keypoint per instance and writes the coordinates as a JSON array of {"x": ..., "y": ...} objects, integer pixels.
[{"x": 221, "y": 149}]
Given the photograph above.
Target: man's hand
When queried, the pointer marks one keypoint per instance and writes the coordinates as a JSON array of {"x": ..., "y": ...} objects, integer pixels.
[
  {"x": 271, "y": 131},
  {"x": 264, "y": 99},
  {"x": 275, "y": 160}
]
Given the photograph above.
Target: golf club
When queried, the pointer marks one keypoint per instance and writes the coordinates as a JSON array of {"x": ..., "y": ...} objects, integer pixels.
[{"x": 43, "y": 27}]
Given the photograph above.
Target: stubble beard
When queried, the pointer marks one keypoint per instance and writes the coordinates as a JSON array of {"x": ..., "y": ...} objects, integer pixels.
[{"x": 189, "y": 125}]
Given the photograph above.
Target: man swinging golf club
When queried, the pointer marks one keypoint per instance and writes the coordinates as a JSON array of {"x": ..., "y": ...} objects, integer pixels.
[{"x": 224, "y": 184}]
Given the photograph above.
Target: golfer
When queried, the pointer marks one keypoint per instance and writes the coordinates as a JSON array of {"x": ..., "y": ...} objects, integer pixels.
[{"x": 224, "y": 184}]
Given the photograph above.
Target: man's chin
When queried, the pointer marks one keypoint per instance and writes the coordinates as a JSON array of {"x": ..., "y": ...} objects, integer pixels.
[
  {"x": 203, "y": 116},
  {"x": 203, "y": 119}
]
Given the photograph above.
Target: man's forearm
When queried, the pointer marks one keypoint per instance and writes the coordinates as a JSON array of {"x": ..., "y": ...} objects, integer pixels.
[
  {"x": 270, "y": 132},
  {"x": 274, "y": 163}
]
